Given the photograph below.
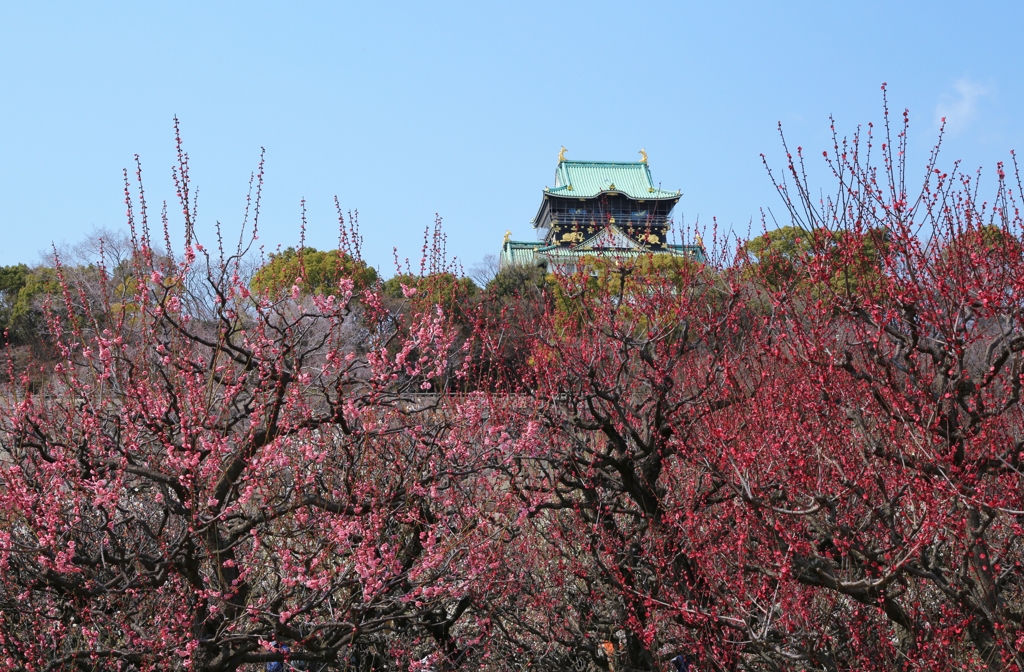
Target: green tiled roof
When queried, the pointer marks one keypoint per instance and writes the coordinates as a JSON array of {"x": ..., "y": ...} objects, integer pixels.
[
  {"x": 587, "y": 179},
  {"x": 519, "y": 253},
  {"x": 694, "y": 251}
]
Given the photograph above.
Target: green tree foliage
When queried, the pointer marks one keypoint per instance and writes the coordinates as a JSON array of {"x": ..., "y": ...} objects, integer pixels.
[
  {"x": 23, "y": 294},
  {"x": 515, "y": 281},
  {"x": 847, "y": 261},
  {"x": 622, "y": 279},
  {"x": 991, "y": 241},
  {"x": 777, "y": 256},
  {"x": 12, "y": 280},
  {"x": 320, "y": 271},
  {"x": 445, "y": 289}
]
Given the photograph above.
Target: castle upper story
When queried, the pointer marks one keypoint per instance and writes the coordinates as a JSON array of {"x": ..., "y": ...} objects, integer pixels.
[{"x": 599, "y": 208}]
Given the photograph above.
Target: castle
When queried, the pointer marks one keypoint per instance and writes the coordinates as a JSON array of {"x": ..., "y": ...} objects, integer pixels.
[{"x": 599, "y": 208}]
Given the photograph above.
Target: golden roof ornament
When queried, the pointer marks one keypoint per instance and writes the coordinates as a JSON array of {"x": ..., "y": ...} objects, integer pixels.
[
  {"x": 643, "y": 155},
  {"x": 508, "y": 236},
  {"x": 561, "y": 154}
]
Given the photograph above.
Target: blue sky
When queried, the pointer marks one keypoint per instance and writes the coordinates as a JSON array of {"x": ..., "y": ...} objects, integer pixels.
[{"x": 407, "y": 110}]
